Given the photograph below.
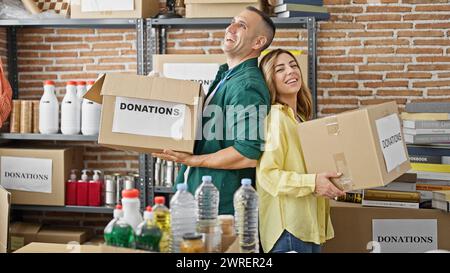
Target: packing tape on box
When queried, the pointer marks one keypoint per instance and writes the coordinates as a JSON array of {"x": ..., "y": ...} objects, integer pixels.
[
  {"x": 332, "y": 126},
  {"x": 344, "y": 182}
]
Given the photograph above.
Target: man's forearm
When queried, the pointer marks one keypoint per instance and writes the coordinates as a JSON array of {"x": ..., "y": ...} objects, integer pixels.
[{"x": 227, "y": 159}]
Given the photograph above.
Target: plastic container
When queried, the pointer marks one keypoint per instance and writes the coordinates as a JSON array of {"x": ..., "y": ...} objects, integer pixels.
[
  {"x": 83, "y": 189},
  {"x": 71, "y": 189},
  {"x": 90, "y": 112},
  {"x": 95, "y": 190},
  {"x": 192, "y": 243},
  {"x": 49, "y": 110},
  {"x": 246, "y": 217},
  {"x": 81, "y": 90},
  {"x": 131, "y": 208},
  {"x": 118, "y": 232},
  {"x": 162, "y": 218},
  {"x": 207, "y": 197},
  {"x": 183, "y": 214},
  {"x": 70, "y": 111},
  {"x": 148, "y": 234}
]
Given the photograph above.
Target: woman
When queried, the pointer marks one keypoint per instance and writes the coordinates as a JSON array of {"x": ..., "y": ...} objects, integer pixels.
[{"x": 294, "y": 211}]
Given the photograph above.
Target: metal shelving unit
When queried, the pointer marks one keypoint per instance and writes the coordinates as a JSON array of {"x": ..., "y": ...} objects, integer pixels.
[
  {"x": 65, "y": 208},
  {"x": 55, "y": 137},
  {"x": 151, "y": 39},
  {"x": 12, "y": 26}
]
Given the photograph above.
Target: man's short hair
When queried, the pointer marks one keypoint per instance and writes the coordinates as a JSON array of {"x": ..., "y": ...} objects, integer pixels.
[{"x": 268, "y": 23}]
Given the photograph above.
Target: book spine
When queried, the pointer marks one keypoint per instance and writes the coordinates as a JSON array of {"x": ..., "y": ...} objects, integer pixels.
[
  {"x": 398, "y": 186},
  {"x": 425, "y": 116},
  {"x": 426, "y": 131},
  {"x": 441, "y": 195},
  {"x": 429, "y": 107},
  {"x": 431, "y": 159},
  {"x": 427, "y": 124},
  {"x": 350, "y": 197},
  {"x": 390, "y": 204},
  {"x": 441, "y": 205},
  {"x": 438, "y": 168},
  {"x": 426, "y": 139},
  {"x": 396, "y": 196},
  {"x": 427, "y": 151},
  {"x": 427, "y": 187}
]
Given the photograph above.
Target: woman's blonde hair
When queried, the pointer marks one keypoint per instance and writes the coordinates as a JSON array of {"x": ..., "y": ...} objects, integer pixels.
[{"x": 304, "y": 97}]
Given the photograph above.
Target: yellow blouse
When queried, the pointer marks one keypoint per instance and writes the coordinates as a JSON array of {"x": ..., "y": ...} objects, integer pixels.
[{"x": 286, "y": 193}]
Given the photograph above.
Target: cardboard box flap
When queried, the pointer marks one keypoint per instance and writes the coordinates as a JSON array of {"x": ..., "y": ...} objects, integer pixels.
[
  {"x": 5, "y": 203},
  {"x": 25, "y": 228},
  {"x": 94, "y": 93},
  {"x": 219, "y": 1},
  {"x": 152, "y": 88}
]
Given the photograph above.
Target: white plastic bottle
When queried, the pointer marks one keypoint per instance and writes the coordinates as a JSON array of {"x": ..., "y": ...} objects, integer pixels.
[
  {"x": 183, "y": 213},
  {"x": 131, "y": 208},
  {"x": 90, "y": 115},
  {"x": 49, "y": 110},
  {"x": 70, "y": 111},
  {"x": 81, "y": 90}
]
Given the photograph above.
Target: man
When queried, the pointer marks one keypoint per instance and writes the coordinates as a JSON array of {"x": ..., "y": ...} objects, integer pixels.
[{"x": 230, "y": 146}]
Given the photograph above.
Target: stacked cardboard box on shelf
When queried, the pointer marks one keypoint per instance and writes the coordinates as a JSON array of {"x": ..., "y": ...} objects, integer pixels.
[
  {"x": 106, "y": 9},
  {"x": 37, "y": 175},
  {"x": 218, "y": 8}
]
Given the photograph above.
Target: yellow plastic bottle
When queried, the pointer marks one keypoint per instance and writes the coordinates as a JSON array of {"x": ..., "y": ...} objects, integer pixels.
[{"x": 162, "y": 217}]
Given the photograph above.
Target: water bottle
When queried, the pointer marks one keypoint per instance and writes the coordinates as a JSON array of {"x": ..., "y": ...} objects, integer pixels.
[
  {"x": 49, "y": 110},
  {"x": 148, "y": 234},
  {"x": 246, "y": 217},
  {"x": 207, "y": 197},
  {"x": 162, "y": 217},
  {"x": 118, "y": 232},
  {"x": 131, "y": 208},
  {"x": 70, "y": 111},
  {"x": 183, "y": 213},
  {"x": 90, "y": 112}
]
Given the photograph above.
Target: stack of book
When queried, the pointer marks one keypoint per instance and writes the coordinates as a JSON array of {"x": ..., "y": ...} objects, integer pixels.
[
  {"x": 441, "y": 200},
  {"x": 393, "y": 199},
  {"x": 404, "y": 183},
  {"x": 300, "y": 8},
  {"x": 426, "y": 122},
  {"x": 433, "y": 174}
]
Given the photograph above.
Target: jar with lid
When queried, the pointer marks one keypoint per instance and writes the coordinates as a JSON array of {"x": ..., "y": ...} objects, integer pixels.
[{"x": 192, "y": 243}]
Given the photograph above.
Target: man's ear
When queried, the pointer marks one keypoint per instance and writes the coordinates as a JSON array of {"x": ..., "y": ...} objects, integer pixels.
[{"x": 260, "y": 42}]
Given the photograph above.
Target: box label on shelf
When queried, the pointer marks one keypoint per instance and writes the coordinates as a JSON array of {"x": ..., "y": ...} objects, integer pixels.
[
  {"x": 404, "y": 235},
  {"x": 391, "y": 141},
  {"x": 26, "y": 174},
  {"x": 203, "y": 73},
  {"x": 148, "y": 117},
  {"x": 106, "y": 5}
]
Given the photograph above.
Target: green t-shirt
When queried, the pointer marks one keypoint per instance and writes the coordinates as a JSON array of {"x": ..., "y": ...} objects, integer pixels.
[{"x": 234, "y": 117}]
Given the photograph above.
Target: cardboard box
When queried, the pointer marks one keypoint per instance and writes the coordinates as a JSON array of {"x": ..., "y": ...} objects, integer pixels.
[
  {"x": 36, "y": 176},
  {"x": 5, "y": 204},
  {"x": 93, "y": 9},
  {"x": 194, "y": 67},
  {"x": 74, "y": 248},
  {"x": 22, "y": 233},
  {"x": 147, "y": 114},
  {"x": 366, "y": 145},
  {"x": 353, "y": 226},
  {"x": 218, "y": 8},
  {"x": 62, "y": 235}
]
